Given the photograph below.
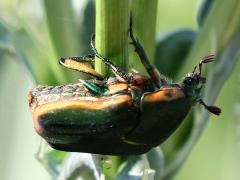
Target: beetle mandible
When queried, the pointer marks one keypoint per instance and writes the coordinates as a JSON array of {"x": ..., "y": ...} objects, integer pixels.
[{"x": 123, "y": 115}]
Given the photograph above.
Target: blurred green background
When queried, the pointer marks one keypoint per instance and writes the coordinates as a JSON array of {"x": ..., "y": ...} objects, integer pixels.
[{"x": 216, "y": 154}]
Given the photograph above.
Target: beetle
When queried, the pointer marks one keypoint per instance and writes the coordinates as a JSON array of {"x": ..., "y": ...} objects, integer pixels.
[{"x": 127, "y": 114}]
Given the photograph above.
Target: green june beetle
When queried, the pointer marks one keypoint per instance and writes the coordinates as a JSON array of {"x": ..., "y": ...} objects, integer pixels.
[{"x": 123, "y": 115}]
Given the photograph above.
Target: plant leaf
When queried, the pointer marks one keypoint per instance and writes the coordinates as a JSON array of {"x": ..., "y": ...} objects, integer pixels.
[
  {"x": 203, "y": 10},
  {"x": 172, "y": 49},
  {"x": 79, "y": 165},
  {"x": 6, "y": 47},
  {"x": 133, "y": 168}
]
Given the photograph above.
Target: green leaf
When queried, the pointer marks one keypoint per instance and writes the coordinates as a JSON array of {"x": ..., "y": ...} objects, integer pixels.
[
  {"x": 6, "y": 47},
  {"x": 203, "y": 10},
  {"x": 31, "y": 54},
  {"x": 156, "y": 161},
  {"x": 87, "y": 27},
  {"x": 172, "y": 49},
  {"x": 219, "y": 28},
  {"x": 62, "y": 27},
  {"x": 213, "y": 38},
  {"x": 79, "y": 165},
  {"x": 216, "y": 78},
  {"x": 51, "y": 159},
  {"x": 56, "y": 157},
  {"x": 133, "y": 168}
]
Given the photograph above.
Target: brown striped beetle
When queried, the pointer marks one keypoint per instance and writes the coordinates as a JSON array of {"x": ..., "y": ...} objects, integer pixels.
[{"x": 122, "y": 115}]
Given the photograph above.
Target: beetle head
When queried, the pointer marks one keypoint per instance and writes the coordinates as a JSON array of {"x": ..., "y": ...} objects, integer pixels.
[
  {"x": 193, "y": 84},
  {"x": 195, "y": 79}
]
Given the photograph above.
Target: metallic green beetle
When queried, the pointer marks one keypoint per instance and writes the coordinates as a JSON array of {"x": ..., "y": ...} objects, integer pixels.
[{"x": 122, "y": 115}]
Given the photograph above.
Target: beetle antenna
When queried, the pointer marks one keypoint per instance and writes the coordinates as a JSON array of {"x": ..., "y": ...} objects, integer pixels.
[
  {"x": 205, "y": 60},
  {"x": 213, "y": 109}
]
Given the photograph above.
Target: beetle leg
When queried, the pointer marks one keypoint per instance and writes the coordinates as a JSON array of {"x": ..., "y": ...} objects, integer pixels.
[
  {"x": 82, "y": 64},
  {"x": 115, "y": 69},
  {"x": 156, "y": 77},
  {"x": 93, "y": 87}
]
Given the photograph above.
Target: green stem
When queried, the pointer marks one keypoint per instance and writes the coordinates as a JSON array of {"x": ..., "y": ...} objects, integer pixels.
[
  {"x": 112, "y": 24},
  {"x": 144, "y": 15}
]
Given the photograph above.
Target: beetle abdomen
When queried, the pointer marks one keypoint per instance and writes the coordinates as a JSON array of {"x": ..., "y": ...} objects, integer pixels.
[{"x": 86, "y": 119}]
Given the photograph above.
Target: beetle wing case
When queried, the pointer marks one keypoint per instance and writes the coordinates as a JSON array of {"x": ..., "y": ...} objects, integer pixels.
[{"x": 89, "y": 124}]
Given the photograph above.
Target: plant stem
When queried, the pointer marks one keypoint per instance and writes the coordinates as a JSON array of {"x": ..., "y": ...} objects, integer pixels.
[
  {"x": 112, "y": 24},
  {"x": 144, "y": 15}
]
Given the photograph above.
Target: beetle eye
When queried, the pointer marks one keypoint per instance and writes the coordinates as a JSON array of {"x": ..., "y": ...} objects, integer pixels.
[{"x": 188, "y": 80}]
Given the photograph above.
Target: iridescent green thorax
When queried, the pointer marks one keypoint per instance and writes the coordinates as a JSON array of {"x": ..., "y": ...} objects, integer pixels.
[{"x": 193, "y": 92}]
